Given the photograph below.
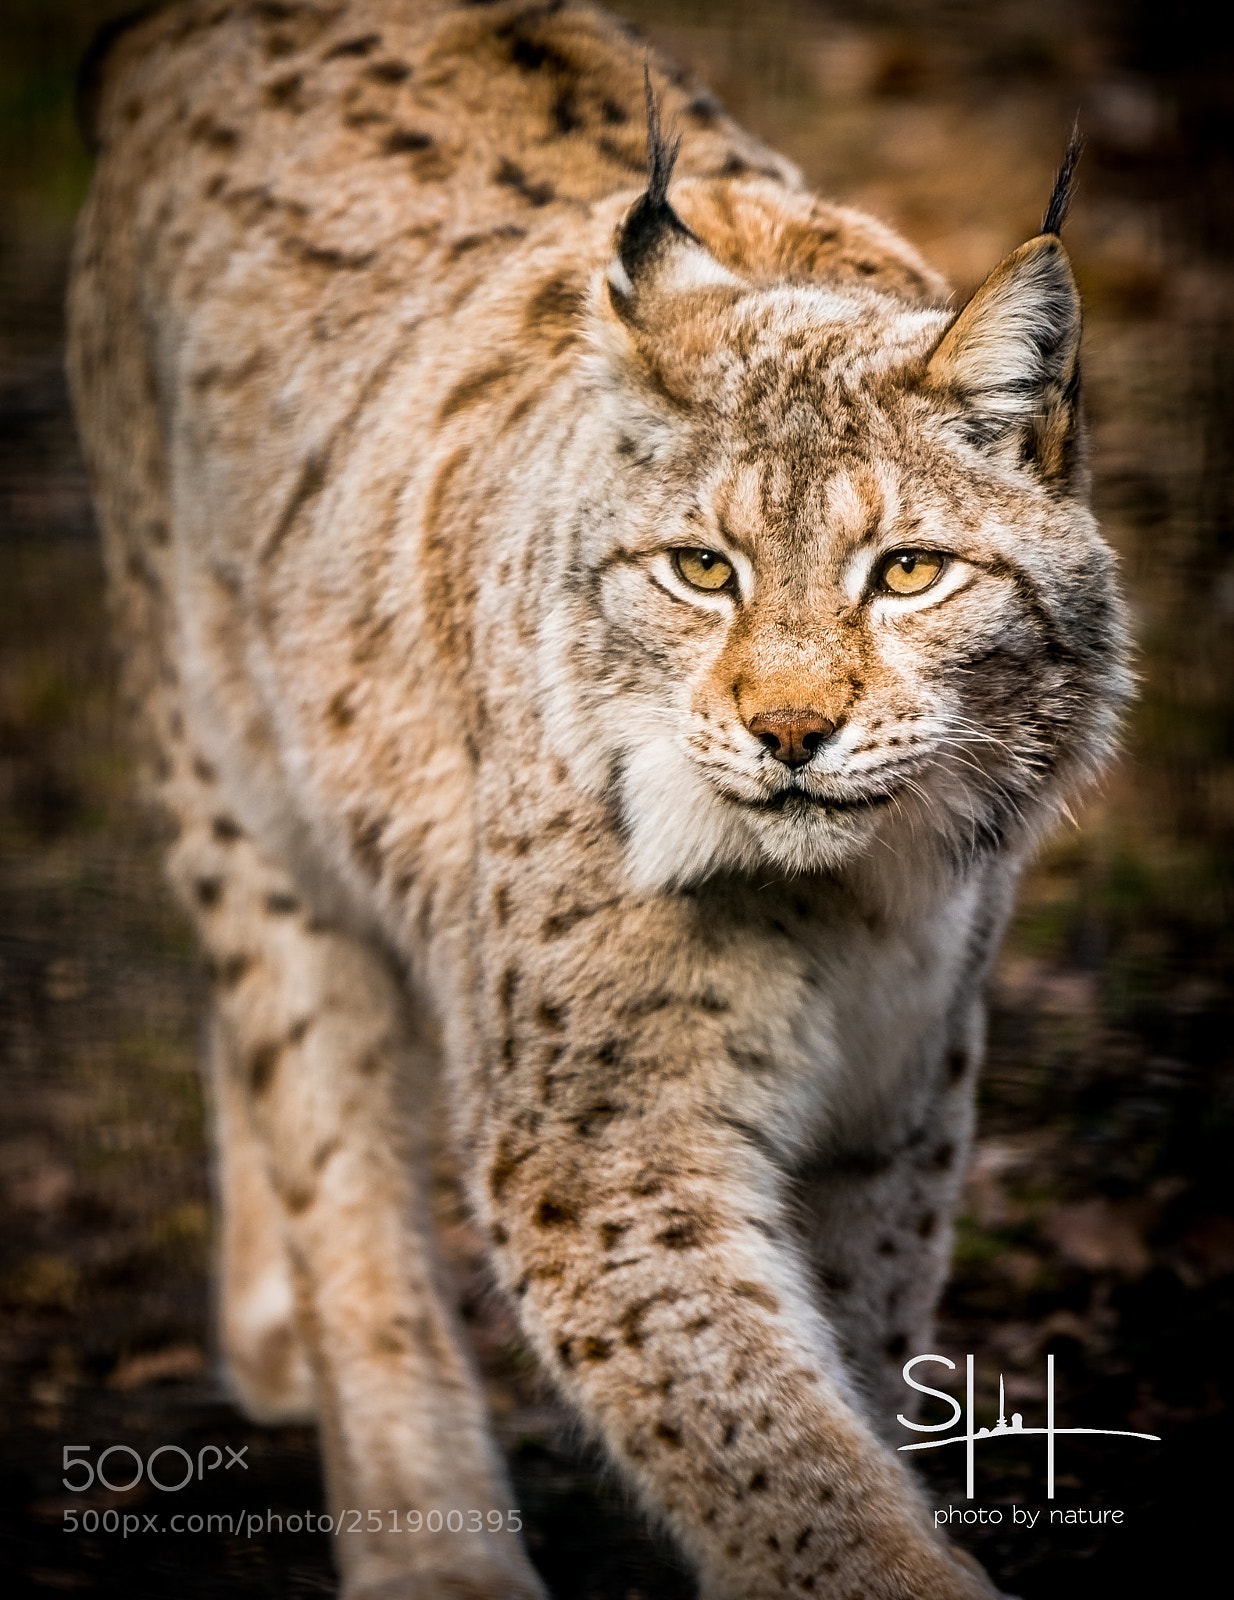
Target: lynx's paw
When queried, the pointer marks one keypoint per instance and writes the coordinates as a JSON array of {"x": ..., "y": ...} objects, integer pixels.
[
  {"x": 479, "y": 1581},
  {"x": 265, "y": 1361}
]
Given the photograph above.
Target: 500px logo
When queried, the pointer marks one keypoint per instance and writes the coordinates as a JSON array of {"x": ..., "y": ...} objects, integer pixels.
[{"x": 73, "y": 1462}]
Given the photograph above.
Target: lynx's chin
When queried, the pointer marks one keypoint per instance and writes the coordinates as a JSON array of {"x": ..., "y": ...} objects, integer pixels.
[{"x": 681, "y": 829}]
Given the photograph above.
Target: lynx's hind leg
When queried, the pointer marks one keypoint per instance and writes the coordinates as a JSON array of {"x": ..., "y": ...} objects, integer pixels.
[
  {"x": 320, "y": 1086},
  {"x": 265, "y": 1357}
]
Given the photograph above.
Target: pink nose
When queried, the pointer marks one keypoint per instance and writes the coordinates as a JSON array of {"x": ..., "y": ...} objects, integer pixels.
[{"x": 791, "y": 736}]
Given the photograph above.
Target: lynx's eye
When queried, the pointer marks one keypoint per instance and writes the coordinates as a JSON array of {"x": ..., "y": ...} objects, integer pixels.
[
  {"x": 703, "y": 569},
  {"x": 910, "y": 571}
]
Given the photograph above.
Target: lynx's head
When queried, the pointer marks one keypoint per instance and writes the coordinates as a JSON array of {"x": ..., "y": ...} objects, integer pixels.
[{"x": 837, "y": 592}]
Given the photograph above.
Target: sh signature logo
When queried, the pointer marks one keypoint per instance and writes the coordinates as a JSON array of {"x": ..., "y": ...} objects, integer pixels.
[{"x": 970, "y": 1436}]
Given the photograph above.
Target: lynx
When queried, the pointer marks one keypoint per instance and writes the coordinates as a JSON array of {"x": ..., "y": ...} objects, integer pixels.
[{"x": 609, "y": 637}]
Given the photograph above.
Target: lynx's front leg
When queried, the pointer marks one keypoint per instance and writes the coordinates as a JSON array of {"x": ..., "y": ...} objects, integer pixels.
[
  {"x": 639, "y": 1095},
  {"x": 875, "y": 1227}
]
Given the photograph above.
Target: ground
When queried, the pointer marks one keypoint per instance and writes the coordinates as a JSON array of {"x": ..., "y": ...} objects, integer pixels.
[{"x": 1099, "y": 1214}]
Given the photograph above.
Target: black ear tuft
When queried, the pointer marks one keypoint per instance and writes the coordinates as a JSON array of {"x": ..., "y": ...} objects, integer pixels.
[
  {"x": 652, "y": 222},
  {"x": 661, "y": 155},
  {"x": 1064, "y": 184}
]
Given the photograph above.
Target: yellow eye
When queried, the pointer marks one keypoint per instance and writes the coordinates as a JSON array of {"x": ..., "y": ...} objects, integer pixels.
[
  {"x": 703, "y": 569},
  {"x": 910, "y": 571}
]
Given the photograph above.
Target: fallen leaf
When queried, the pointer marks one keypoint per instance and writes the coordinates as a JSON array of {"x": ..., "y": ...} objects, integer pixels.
[
  {"x": 158, "y": 1366},
  {"x": 1100, "y": 1235}
]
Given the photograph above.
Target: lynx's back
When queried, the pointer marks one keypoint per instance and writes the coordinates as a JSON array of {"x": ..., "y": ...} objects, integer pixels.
[{"x": 294, "y": 200}]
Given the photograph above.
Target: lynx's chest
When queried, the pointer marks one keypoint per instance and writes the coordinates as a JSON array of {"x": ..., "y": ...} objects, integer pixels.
[{"x": 886, "y": 1001}]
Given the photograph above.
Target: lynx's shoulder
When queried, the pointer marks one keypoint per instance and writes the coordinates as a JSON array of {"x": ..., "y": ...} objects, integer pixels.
[{"x": 400, "y": 146}]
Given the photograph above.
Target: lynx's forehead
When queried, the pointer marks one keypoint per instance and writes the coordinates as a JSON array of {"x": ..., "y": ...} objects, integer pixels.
[
  {"x": 769, "y": 509},
  {"x": 819, "y": 525},
  {"x": 813, "y": 358}
]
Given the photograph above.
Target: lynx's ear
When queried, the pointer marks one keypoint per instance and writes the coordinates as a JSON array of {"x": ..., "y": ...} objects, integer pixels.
[
  {"x": 656, "y": 255},
  {"x": 1011, "y": 357}
]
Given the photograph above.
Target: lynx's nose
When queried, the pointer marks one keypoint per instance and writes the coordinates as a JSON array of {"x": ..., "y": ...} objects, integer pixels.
[{"x": 791, "y": 736}]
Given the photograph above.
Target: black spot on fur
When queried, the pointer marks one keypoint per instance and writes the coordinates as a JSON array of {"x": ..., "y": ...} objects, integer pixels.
[
  {"x": 214, "y": 134},
  {"x": 530, "y": 54},
  {"x": 551, "y": 1017},
  {"x": 284, "y": 93},
  {"x": 389, "y": 72},
  {"x": 511, "y": 176},
  {"x": 366, "y": 835},
  {"x": 208, "y": 892},
  {"x": 340, "y": 712},
  {"x": 553, "y": 1212},
  {"x": 226, "y": 830},
  {"x": 595, "y": 1119},
  {"x": 556, "y": 927},
  {"x": 503, "y": 1169},
  {"x": 556, "y": 307},
  {"x": 506, "y": 990},
  {"x": 565, "y": 112},
  {"x": 403, "y": 140},
  {"x": 704, "y": 109},
  {"x": 230, "y": 971},
  {"x": 363, "y": 45},
  {"x": 262, "y": 1066},
  {"x": 687, "y": 1233},
  {"x": 282, "y": 905},
  {"x": 755, "y": 1292}
]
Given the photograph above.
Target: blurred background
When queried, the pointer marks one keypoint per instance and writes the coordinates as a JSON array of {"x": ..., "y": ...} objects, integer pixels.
[{"x": 1098, "y": 1221}]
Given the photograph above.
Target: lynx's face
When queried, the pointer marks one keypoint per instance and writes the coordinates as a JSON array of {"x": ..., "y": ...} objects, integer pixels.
[{"x": 839, "y": 595}]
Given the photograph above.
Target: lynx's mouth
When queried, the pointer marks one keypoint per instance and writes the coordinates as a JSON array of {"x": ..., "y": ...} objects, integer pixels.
[{"x": 797, "y": 801}]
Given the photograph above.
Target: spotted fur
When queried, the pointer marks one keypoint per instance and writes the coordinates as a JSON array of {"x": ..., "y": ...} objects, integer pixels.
[{"x": 399, "y": 387}]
